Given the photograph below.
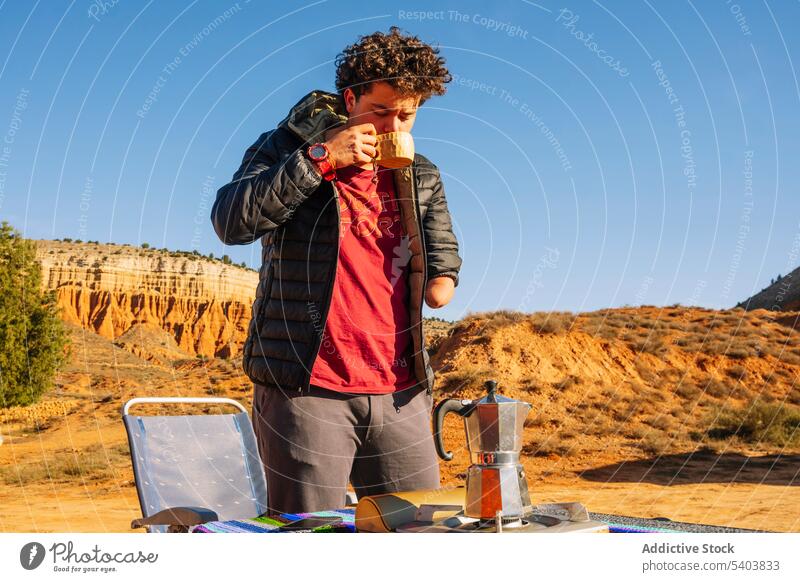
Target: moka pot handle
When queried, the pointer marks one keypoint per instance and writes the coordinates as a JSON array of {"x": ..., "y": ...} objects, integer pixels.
[{"x": 461, "y": 408}]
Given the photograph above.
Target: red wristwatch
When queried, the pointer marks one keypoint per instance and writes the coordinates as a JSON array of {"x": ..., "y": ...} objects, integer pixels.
[{"x": 320, "y": 155}]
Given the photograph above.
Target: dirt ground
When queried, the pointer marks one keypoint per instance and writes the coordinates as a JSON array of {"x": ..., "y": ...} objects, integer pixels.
[
  {"x": 612, "y": 428},
  {"x": 728, "y": 489},
  {"x": 96, "y": 508}
]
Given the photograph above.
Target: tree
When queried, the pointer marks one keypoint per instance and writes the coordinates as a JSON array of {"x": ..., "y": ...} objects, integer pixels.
[
  {"x": 226, "y": 259},
  {"x": 32, "y": 336},
  {"x": 145, "y": 245}
]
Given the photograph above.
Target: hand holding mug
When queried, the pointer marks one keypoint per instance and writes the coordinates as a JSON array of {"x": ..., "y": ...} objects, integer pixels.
[{"x": 353, "y": 145}]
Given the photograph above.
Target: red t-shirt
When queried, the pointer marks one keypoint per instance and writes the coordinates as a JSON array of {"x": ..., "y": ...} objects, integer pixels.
[{"x": 366, "y": 346}]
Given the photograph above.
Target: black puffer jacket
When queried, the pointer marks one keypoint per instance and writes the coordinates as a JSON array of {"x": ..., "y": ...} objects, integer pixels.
[{"x": 277, "y": 196}]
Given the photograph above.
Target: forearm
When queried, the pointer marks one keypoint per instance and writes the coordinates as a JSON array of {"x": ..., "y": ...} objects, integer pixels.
[{"x": 262, "y": 194}]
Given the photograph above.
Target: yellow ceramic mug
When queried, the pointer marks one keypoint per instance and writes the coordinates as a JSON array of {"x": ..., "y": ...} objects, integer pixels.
[{"x": 395, "y": 149}]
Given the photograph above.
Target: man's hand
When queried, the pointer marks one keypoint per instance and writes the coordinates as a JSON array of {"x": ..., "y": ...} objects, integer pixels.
[
  {"x": 352, "y": 145},
  {"x": 439, "y": 292}
]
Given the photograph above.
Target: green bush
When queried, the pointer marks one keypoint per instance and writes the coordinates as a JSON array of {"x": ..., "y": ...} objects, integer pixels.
[{"x": 32, "y": 336}]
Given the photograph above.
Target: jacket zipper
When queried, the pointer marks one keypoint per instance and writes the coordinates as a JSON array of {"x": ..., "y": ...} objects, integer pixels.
[
  {"x": 331, "y": 283},
  {"x": 418, "y": 220}
]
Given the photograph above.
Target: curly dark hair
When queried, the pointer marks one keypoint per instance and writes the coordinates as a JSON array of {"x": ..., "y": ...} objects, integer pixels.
[{"x": 410, "y": 66}]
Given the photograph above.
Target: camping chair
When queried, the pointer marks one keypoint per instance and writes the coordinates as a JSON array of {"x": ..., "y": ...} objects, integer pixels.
[{"x": 192, "y": 469}]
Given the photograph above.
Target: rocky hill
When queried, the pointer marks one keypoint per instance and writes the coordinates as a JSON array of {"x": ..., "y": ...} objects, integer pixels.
[
  {"x": 630, "y": 381},
  {"x": 782, "y": 295},
  {"x": 203, "y": 304}
]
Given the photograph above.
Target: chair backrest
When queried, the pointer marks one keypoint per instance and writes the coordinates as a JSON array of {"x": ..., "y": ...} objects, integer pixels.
[{"x": 205, "y": 460}]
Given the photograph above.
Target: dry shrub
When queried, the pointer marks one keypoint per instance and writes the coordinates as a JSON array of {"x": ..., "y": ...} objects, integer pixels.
[
  {"x": 629, "y": 406},
  {"x": 688, "y": 343},
  {"x": 739, "y": 392},
  {"x": 466, "y": 378},
  {"x": 741, "y": 352},
  {"x": 536, "y": 421},
  {"x": 636, "y": 432},
  {"x": 602, "y": 427},
  {"x": 650, "y": 343},
  {"x": 490, "y": 320},
  {"x": 654, "y": 394},
  {"x": 789, "y": 358},
  {"x": 654, "y": 444},
  {"x": 714, "y": 348},
  {"x": 736, "y": 372},
  {"x": 530, "y": 385},
  {"x": 676, "y": 412},
  {"x": 717, "y": 388},
  {"x": 645, "y": 370},
  {"x": 567, "y": 434},
  {"x": 607, "y": 333},
  {"x": 590, "y": 415},
  {"x": 758, "y": 422},
  {"x": 609, "y": 398},
  {"x": 660, "y": 422},
  {"x": 555, "y": 322},
  {"x": 92, "y": 463},
  {"x": 567, "y": 383},
  {"x": 688, "y": 391},
  {"x": 547, "y": 448}
]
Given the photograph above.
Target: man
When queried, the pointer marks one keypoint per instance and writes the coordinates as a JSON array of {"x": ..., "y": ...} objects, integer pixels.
[{"x": 336, "y": 351}]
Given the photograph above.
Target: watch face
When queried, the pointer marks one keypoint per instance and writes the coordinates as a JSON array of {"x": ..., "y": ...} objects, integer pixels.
[{"x": 317, "y": 152}]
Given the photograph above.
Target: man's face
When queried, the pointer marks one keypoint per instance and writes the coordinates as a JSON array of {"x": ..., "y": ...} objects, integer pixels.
[{"x": 381, "y": 106}]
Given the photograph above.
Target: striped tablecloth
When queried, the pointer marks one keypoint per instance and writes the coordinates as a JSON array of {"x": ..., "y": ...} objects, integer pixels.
[
  {"x": 616, "y": 524},
  {"x": 271, "y": 524}
]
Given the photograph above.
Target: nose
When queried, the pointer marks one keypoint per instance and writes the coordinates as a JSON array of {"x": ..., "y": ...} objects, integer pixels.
[{"x": 394, "y": 125}]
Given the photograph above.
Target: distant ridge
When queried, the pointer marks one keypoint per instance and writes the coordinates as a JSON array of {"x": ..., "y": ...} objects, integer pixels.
[{"x": 782, "y": 295}]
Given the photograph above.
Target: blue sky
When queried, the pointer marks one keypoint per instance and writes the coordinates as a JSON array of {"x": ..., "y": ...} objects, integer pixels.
[{"x": 593, "y": 154}]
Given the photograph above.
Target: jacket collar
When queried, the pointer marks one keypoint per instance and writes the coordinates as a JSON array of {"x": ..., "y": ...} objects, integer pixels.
[{"x": 314, "y": 114}]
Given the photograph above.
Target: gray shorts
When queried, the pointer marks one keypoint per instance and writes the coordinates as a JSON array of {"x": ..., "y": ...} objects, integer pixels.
[{"x": 313, "y": 443}]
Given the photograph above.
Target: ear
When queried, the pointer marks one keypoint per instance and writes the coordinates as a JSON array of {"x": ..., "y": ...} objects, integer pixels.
[{"x": 349, "y": 99}]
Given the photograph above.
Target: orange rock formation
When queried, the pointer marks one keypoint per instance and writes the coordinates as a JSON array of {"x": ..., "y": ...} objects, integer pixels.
[{"x": 203, "y": 304}]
